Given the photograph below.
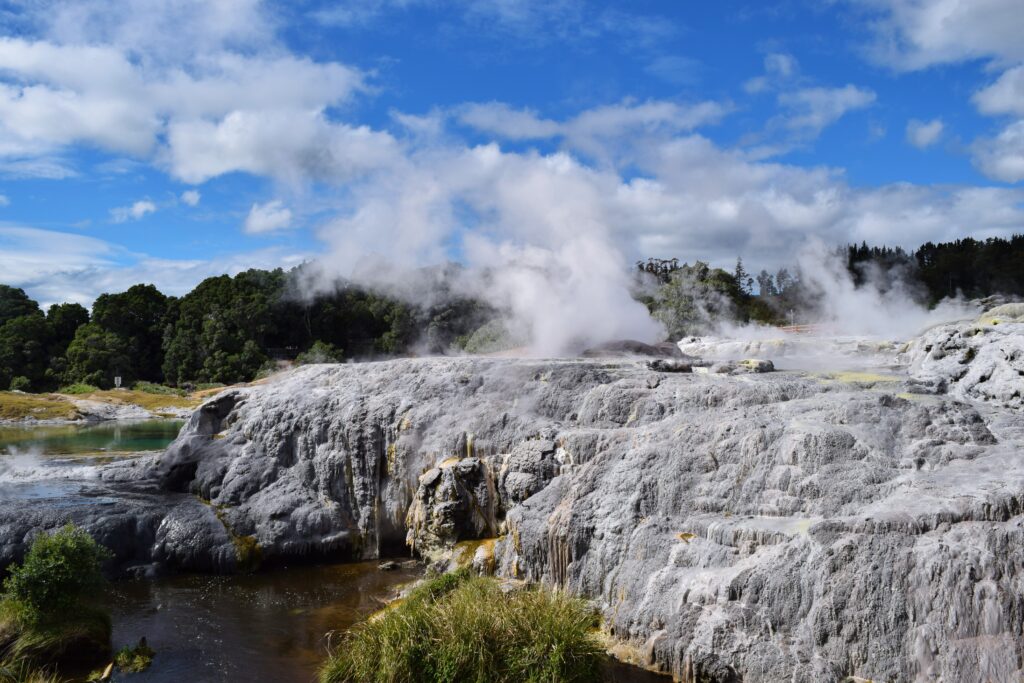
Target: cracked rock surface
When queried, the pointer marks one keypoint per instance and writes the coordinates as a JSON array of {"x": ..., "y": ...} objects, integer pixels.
[{"x": 756, "y": 526}]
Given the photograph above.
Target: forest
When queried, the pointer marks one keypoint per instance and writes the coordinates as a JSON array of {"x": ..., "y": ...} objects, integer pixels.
[{"x": 233, "y": 328}]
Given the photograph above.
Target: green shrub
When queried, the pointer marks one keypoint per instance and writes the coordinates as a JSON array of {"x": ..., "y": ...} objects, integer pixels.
[
  {"x": 57, "y": 574},
  {"x": 320, "y": 352},
  {"x": 460, "y": 628},
  {"x": 206, "y": 386},
  {"x": 134, "y": 659},
  {"x": 78, "y": 388},
  {"x": 159, "y": 389},
  {"x": 47, "y": 613},
  {"x": 21, "y": 383}
]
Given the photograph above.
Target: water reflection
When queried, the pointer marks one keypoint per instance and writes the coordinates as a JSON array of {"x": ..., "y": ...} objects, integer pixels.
[{"x": 89, "y": 439}]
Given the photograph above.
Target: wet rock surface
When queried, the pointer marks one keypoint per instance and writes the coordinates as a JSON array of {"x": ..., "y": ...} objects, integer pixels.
[{"x": 738, "y": 525}]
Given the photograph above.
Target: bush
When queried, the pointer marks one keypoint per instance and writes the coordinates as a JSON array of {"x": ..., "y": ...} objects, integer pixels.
[
  {"x": 78, "y": 388},
  {"x": 460, "y": 628},
  {"x": 320, "y": 352},
  {"x": 21, "y": 383},
  {"x": 46, "y": 613},
  {"x": 158, "y": 389},
  {"x": 57, "y": 574}
]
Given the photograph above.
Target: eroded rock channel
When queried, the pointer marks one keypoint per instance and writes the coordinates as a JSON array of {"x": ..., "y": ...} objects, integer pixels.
[{"x": 732, "y": 525}]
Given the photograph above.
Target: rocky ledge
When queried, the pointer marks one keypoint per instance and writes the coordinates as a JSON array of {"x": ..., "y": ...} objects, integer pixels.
[{"x": 731, "y": 525}]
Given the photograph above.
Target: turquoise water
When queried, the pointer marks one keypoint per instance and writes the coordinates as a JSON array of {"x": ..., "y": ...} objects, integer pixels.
[{"x": 90, "y": 439}]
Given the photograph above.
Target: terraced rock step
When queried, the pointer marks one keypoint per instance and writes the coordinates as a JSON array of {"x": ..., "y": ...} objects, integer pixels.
[{"x": 759, "y": 525}]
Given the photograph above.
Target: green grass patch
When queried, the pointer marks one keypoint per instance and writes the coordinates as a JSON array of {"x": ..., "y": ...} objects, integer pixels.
[
  {"x": 77, "y": 389},
  {"x": 134, "y": 659},
  {"x": 159, "y": 389},
  {"x": 15, "y": 406},
  {"x": 461, "y": 628}
]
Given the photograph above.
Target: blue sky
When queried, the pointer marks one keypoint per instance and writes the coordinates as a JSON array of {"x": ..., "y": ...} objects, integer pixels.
[{"x": 168, "y": 140}]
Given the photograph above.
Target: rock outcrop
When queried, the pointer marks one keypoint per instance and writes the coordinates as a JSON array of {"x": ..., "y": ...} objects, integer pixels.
[
  {"x": 981, "y": 361},
  {"x": 735, "y": 525}
]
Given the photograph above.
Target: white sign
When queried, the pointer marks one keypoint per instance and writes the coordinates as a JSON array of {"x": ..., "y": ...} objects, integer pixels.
[{"x": 117, "y": 382}]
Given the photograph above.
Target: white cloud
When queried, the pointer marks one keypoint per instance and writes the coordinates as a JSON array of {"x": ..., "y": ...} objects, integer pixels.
[
  {"x": 191, "y": 197},
  {"x": 1002, "y": 157},
  {"x": 292, "y": 146},
  {"x": 58, "y": 95},
  {"x": 1005, "y": 96},
  {"x": 675, "y": 69},
  {"x": 779, "y": 68},
  {"x": 497, "y": 118},
  {"x": 134, "y": 212},
  {"x": 922, "y": 134},
  {"x": 529, "y": 21},
  {"x": 601, "y": 132},
  {"x": 57, "y": 266},
  {"x": 4, "y": 200},
  {"x": 269, "y": 217},
  {"x": 914, "y": 34},
  {"x": 811, "y": 110}
]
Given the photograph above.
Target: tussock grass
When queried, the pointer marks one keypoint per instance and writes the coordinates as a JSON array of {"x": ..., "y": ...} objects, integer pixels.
[
  {"x": 460, "y": 628},
  {"x": 149, "y": 401},
  {"x": 15, "y": 671},
  {"x": 79, "y": 634},
  {"x": 15, "y": 406}
]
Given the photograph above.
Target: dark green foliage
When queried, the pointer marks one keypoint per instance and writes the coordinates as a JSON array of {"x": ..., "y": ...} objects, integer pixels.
[
  {"x": 48, "y": 613},
  {"x": 972, "y": 267},
  {"x": 222, "y": 328},
  {"x": 21, "y": 383},
  {"x": 96, "y": 356},
  {"x": 14, "y": 303},
  {"x": 64, "y": 320},
  {"x": 138, "y": 316},
  {"x": 23, "y": 352},
  {"x": 58, "y": 574},
  {"x": 320, "y": 352},
  {"x": 457, "y": 628}
]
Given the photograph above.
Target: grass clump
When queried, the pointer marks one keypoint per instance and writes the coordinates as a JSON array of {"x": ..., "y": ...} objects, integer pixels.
[
  {"x": 134, "y": 659},
  {"x": 47, "y": 611},
  {"x": 158, "y": 389},
  {"x": 78, "y": 389},
  {"x": 14, "y": 671},
  {"x": 461, "y": 628}
]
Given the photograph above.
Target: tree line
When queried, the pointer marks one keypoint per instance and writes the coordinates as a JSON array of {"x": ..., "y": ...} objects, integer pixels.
[
  {"x": 226, "y": 330},
  {"x": 231, "y": 328},
  {"x": 689, "y": 298}
]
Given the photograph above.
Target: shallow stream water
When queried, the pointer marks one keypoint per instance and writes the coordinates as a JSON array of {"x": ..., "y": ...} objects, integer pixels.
[{"x": 270, "y": 627}]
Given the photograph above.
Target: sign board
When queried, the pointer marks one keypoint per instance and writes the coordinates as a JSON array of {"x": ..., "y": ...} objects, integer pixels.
[{"x": 117, "y": 382}]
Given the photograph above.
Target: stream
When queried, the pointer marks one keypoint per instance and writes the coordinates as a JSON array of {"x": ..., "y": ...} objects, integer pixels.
[{"x": 273, "y": 626}]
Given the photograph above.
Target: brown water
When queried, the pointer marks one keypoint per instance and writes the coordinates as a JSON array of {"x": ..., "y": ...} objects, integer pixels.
[{"x": 269, "y": 627}]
